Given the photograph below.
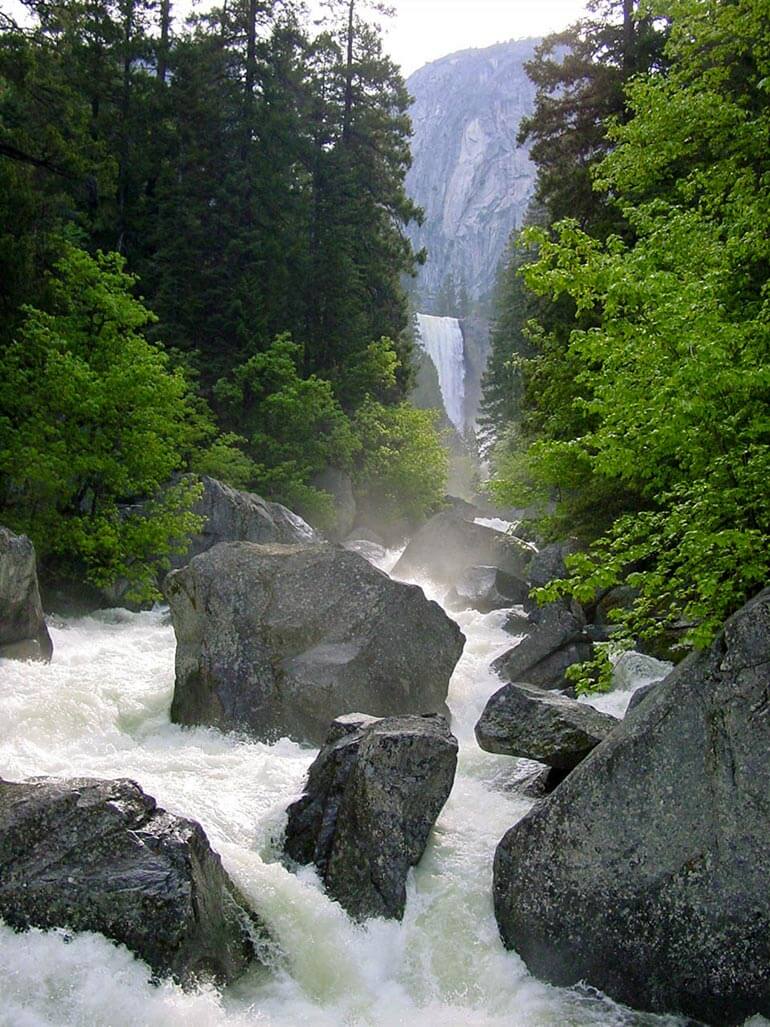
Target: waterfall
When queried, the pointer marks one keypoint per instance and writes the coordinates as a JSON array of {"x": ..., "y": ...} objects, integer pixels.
[{"x": 442, "y": 340}]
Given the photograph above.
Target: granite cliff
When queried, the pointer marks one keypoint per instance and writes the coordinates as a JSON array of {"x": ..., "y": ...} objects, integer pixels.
[{"x": 469, "y": 174}]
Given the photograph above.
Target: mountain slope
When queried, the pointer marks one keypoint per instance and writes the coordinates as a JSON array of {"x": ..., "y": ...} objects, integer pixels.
[{"x": 469, "y": 174}]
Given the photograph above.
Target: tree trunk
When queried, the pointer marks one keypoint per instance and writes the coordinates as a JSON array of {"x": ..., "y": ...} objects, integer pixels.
[
  {"x": 347, "y": 118},
  {"x": 629, "y": 48},
  {"x": 165, "y": 31}
]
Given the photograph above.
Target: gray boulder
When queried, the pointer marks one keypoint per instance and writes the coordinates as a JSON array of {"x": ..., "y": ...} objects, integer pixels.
[
  {"x": 645, "y": 873},
  {"x": 640, "y": 695},
  {"x": 534, "y": 724},
  {"x": 534, "y": 780},
  {"x": 92, "y": 855},
  {"x": 369, "y": 550},
  {"x": 234, "y": 516},
  {"x": 23, "y": 631},
  {"x": 276, "y": 640},
  {"x": 555, "y": 640},
  {"x": 485, "y": 589},
  {"x": 548, "y": 563},
  {"x": 372, "y": 797},
  {"x": 448, "y": 545}
]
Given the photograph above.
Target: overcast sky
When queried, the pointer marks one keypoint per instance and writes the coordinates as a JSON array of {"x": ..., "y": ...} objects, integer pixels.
[{"x": 423, "y": 30}]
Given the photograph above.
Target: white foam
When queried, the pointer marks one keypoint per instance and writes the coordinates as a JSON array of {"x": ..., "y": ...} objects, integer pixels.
[{"x": 101, "y": 708}]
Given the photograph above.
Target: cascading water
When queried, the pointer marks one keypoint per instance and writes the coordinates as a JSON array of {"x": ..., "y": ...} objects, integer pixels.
[
  {"x": 102, "y": 709},
  {"x": 442, "y": 340}
]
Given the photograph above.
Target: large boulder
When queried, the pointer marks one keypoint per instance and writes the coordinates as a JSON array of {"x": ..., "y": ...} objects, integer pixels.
[
  {"x": 549, "y": 562},
  {"x": 646, "y": 872},
  {"x": 276, "y": 640},
  {"x": 534, "y": 724},
  {"x": 486, "y": 589},
  {"x": 234, "y": 516},
  {"x": 93, "y": 855},
  {"x": 23, "y": 631},
  {"x": 555, "y": 640},
  {"x": 448, "y": 545},
  {"x": 372, "y": 797}
]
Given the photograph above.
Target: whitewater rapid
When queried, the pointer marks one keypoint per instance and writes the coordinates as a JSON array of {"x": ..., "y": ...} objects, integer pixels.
[
  {"x": 102, "y": 709},
  {"x": 442, "y": 339}
]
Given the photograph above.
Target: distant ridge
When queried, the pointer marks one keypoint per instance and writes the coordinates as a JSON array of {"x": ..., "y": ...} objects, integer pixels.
[{"x": 469, "y": 174}]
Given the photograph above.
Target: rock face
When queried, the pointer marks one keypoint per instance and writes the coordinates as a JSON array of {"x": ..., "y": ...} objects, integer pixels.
[
  {"x": 645, "y": 873},
  {"x": 556, "y": 639},
  {"x": 486, "y": 589},
  {"x": 371, "y": 800},
  {"x": 468, "y": 173},
  {"x": 549, "y": 563},
  {"x": 448, "y": 545},
  {"x": 102, "y": 856},
  {"x": 521, "y": 720},
  {"x": 233, "y": 516},
  {"x": 23, "y": 632},
  {"x": 277, "y": 640}
]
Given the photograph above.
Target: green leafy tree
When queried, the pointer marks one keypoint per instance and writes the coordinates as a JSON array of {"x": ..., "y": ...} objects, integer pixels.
[
  {"x": 402, "y": 470},
  {"x": 675, "y": 368},
  {"x": 93, "y": 421},
  {"x": 295, "y": 426}
]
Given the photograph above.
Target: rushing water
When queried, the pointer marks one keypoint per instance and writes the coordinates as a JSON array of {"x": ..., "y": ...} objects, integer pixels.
[
  {"x": 442, "y": 340},
  {"x": 102, "y": 709}
]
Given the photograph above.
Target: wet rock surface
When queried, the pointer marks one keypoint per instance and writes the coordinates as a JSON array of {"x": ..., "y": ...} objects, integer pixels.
[
  {"x": 371, "y": 799},
  {"x": 486, "y": 589},
  {"x": 645, "y": 872},
  {"x": 556, "y": 638},
  {"x": 535, "y": 724},
  {"x": 235, "y": 516},
  {"x": 275, "y": 640},
  {"x": 92, "y": 855},
  {"x": 23, "y": 631},
  {"x": 448, "y": 546}
]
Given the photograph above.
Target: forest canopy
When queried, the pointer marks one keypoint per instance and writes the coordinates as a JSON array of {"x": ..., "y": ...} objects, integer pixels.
[
  {"x": 202, "y": 229},
  {"x": 639, "y": 339}
]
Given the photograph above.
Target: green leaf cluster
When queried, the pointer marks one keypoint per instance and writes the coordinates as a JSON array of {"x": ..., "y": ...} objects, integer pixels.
[
  {"x": 667, "y": 416},
  {"x": 94, "y": 419}
]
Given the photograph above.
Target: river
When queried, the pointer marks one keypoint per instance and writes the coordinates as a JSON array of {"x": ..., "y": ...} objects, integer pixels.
[{"x": 101, "y": 708}]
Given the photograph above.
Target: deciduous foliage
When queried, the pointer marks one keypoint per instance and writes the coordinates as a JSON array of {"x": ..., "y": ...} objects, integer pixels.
[
  {"x": 94, "y": 418},
  {"x": 673, "y": 371}
]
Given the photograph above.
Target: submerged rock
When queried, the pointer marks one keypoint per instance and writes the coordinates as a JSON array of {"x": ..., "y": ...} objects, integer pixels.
[
  {"x": 645, "y": 873},
  {"x": 485, "y": 589},
  {"x": 555, "y": 640},
  {"x": 276, "y": 640},
  {"x": 23, "y": 631},
  {"x": 636, "y": 668},
  {"x": 534, "y": 724},
  {"x": 92, "y": 855},
  {"x": 448, "y": 545},
  {"x": 371, "y": 799}
]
